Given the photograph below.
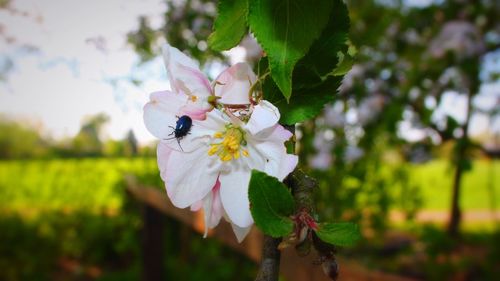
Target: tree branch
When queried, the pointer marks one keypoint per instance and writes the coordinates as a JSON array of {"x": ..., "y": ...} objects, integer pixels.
[{"x": 270, "y": 263}]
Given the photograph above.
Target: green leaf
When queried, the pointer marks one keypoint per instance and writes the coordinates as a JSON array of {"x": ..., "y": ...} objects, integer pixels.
[
  {"x": 341, "y": 234},
  {"x": 317, "y": 76},
  {"x": 345, "y": 64},
  {"x": 305, "y": 103},
  {"x": 286, "y": 30},
  {"x": 271, "y": 204},
  {"x": 230, "y": 25},
  {"x": 322, "y": 58}
]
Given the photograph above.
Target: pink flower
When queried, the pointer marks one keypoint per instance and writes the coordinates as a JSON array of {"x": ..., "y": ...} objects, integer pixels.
[{"x": 210, "y": 167}]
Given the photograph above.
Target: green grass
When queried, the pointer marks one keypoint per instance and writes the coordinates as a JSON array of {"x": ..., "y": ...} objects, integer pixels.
[
  {"x": 75, "y": 210},
  {"x": 91, "y": 184},
  {"x": 480, "y": 186},
  {"x": 69, "y": 184}
]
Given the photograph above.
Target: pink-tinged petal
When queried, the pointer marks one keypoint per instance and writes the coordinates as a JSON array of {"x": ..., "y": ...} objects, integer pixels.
[
  {"x": 269, "y": 153},
  {"x": 276, "y": 133},
  {"x": 163, "y": 153},
  {"x": 196, "y": 206},
  {"x": 234, "y": 83},
  {"x": 234, "y": 195},
  {"x": 160, "y": 113},
  {"x": 174, "y": 55},
  {"x": 264, "y": 116},
  {"x": 215, "y": 121},
  {"x": 194, "y": 111},
  {"x": 185, "y": 77},
  {"x": 212, "y": 208},
  {"x": 240, "y": 232},
  {"x": 190, "y": 177},
  {"x": 288, "y": 164}
]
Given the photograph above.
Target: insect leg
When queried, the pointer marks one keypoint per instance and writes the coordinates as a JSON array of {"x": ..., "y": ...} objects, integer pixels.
[{"x": 179, "y": 143}]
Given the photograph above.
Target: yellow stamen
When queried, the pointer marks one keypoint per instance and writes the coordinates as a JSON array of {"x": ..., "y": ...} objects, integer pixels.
[
  {"x": 193, "y": 98},
  {"x": 213, "y": 150},
  {"x": 231, "y": 145}
]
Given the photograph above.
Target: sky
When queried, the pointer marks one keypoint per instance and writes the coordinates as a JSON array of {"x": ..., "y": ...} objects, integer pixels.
[{"x": 70, "y": 59}]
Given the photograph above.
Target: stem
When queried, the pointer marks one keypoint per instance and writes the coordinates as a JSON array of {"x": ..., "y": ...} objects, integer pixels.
[{"x": 270, "y": 264}]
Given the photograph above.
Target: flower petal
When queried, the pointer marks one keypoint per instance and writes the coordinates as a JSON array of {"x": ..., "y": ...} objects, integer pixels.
[
  {"x": 163, "y": 153},
  {"x": 234, "y": 195},
  {"x": 264, "y": 116},
  {"x": 212, "y": 208},
  {"x": 196, "y": 206},
  {"x": 185, "y": 77},
  {"x": 269, "y": 146},
  {"x": 233, "y": 84},
  {"x": 174, "y": 55},
  {"x": 240, "y": 232},
  {"x": 190, "y": 177},
  {"x": 160, "y": 113},
  {"x": 288, "y": 164}
]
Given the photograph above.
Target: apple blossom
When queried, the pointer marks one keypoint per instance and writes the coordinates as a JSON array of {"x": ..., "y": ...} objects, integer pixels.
[{"x": 210, "y": 167}]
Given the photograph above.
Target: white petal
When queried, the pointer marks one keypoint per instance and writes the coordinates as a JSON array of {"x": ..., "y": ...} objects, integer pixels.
[
  {"x": 234, "y": 83},
  {"x": 288, "y": 164},
  {"x": 163, "y": 153},
  {"x": 270, "y": 147},
  {"x": 212, "y": 208},
  {"x": 264, "y": 116},
  {"x": 240, "y": 232},
  {"x": 174, "y": 55},
  {"x": 160, "y": 112},
  {"x": 196, "y": 206},
  {"x": 184, "y": 75},
  {"x": 234, "y": 195},
  {"x": 190, "y": 177}
]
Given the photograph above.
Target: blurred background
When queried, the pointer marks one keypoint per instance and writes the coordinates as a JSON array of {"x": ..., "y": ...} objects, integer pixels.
[{"x": 409, "y": 149}]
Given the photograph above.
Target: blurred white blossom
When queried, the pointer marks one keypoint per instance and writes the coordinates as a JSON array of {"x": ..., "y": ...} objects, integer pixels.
[{"x": 460, "y": 37}]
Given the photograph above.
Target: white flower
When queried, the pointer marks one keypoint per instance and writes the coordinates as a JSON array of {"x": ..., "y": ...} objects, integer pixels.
[{"x": 210, "y": 165}]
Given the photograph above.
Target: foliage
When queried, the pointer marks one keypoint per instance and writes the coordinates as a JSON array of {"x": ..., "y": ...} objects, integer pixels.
[
  {"x": 286, "y": 30},
  {"x": 187, "y": 27},
  {"x": 226, "y": 36},
  {"x": 75, "y": 212},
  {"x": 69, "y": 184},
  {"x": 20, "y": 141},
  {"x": 341, "y": 234},
  {"x": 271, "y": 204}
]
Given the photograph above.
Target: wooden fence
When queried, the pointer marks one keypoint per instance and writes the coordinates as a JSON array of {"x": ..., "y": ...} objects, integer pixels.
[{"x": 293, "y": 267}]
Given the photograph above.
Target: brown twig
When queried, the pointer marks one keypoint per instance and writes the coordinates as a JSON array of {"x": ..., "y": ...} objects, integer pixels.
[{"x": 270, "y": 263}]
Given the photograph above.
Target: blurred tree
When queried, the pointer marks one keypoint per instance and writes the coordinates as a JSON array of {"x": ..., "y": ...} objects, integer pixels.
[
  {"x": 88, "y": 142},
  {"x": 132, "y": 146},
  {"x": 187, "y": 27},
  {"x": 411, "y": 59},
  {"x": 17, "y": 140},
  {"x": 125, "y": 147}
]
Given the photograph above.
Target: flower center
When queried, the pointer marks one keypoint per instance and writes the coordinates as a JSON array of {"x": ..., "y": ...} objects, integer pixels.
[
  {"x": 231, "y": 145},
  {"x": 193, "y": 98}
]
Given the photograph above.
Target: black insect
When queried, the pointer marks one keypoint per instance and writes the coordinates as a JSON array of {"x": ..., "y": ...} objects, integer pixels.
[{"x": 182, "y": 128}]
